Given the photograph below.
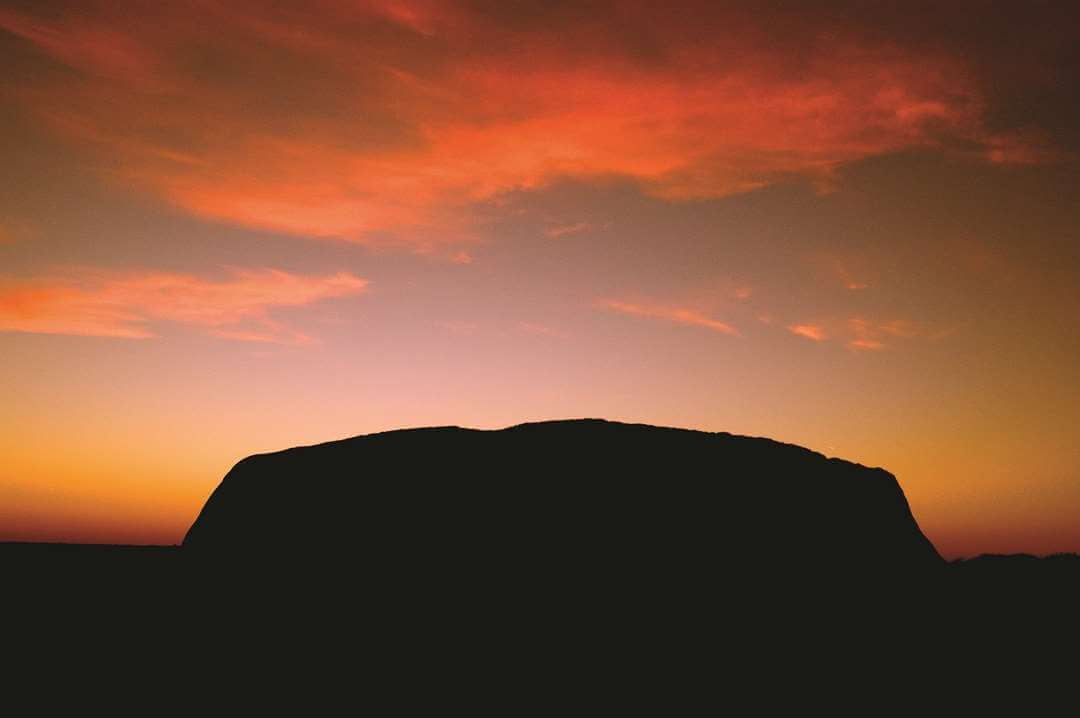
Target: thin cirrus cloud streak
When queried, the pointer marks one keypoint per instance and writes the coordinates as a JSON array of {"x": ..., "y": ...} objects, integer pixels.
[
  {"x": 563, "y": 230},
  {"x": 810, "y": 331},
  {"x": 678, "y": 315},
  {"x": 127, "y": 305},
  {"x": 398, "y": 117},
  {"x": 860, "y": 334},
  {"x": 857, "y": 334}
]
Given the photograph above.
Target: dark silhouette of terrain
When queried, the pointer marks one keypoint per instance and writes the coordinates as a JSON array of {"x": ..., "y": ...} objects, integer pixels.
[
  {"x": 584, "y": 501},
  {"x": 588, "y": 504},
  {"x": 427, "y": 561}
]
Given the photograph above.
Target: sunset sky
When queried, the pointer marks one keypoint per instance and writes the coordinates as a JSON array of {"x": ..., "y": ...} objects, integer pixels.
[{"x": 229, "y": 227}]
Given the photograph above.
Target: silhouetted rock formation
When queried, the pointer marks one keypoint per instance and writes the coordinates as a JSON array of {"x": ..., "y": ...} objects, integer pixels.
[
  {"x": 557, "y": 551},
  {"x": 574, "y": 503}
]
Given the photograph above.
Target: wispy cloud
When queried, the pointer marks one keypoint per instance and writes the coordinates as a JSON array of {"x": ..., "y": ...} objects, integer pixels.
[
  {"x": 902, "y": 328},
  {"x": 97, "y": 303},
  {"x": 398, "y": 116},
  {"x": 679, "y": 315},
  {"x": 810, "y": 331},
  {"x": 1019, "y": 148},
  {"x": 564, "y": 229},
  {"x": 863, "y": 334},
  {"x": 866, "y": 344},
  {"x": 875, "y": 335}
]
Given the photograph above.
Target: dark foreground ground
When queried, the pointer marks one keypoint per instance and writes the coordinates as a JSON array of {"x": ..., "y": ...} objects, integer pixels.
[
  {"x": 155, "y": 627},
  {"x": 137, "y": 563},
  {"x": 119, "y": 579}
]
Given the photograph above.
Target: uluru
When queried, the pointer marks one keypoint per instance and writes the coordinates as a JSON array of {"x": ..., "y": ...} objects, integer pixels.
[{"x": 586, "y": 500}]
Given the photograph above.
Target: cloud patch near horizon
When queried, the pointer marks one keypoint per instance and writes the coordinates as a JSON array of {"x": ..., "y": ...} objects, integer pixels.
[
  {"x": 351, "y": 121},
  {"x": 110, "y": 304}
]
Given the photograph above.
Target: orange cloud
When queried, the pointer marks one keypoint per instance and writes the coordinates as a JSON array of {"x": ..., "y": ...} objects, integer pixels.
[
  {"x": 874, "y": 335},
  {"x": 565, "y": 229},
  {"x": 810, "y": 331},
  {"x": 671, "y": 314},
  {"x": 109, "y": 305},
  {"x": 865, "y": 334},
  {"x": 896, "y": 327},
  {"x": 1019, "y": 148},
  {"x": 348, "y": 120}
]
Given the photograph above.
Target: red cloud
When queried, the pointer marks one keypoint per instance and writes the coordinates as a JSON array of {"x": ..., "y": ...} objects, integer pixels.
[
  {"x": 810, "y": 331},
  {"x": 349, "y": 119},
  {"x": 97, "y": 304},
  {"x": 564, "y": 229},
  {"x": 874, "y": 335},
  {"x": 869, "y": 344},
  {"x": 679, "y": 315},
  {"x": 865, "y": 334}
]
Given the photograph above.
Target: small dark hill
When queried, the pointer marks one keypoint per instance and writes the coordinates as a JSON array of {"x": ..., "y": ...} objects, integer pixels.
[
  {"x": 1019, "y": 572},
  {"x": 570, "y": 502}
]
